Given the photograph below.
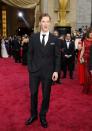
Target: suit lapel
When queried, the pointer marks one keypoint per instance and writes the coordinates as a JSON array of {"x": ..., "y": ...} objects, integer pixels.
[
  {"x": 65, "y": 45},
  {"x": 39, "y": 38},
  {"x": 49, "y": 39}
]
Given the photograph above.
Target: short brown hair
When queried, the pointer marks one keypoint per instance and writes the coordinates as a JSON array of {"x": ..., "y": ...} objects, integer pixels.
[{"x": 44, "y": 15}]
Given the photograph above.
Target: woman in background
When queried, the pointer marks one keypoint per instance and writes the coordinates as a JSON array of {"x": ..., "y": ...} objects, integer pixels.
[
  {"x": 4, "y": 53},
  {"x": 86, "y": 56},
  {"x": 80, "y": 64}
]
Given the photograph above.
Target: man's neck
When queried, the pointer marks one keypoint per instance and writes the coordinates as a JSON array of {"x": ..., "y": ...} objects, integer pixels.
[{"x": 43, "y": 32}]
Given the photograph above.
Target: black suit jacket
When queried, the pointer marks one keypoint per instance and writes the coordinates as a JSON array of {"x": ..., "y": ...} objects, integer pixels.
[
  {"x": 70, "y": 50},
  {"x": 15, "y": 45},
  {"x": 46, "y": 57}
]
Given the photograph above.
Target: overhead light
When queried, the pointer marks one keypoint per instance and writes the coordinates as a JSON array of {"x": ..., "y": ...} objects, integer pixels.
[{"x": 20, "y": 14}]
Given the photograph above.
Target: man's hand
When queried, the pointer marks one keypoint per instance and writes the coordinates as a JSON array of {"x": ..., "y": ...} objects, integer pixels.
[
  {"x": 66, "y": 56},
  {"x": 69, "y": 56},
  {"x": 55, "y": 76}
]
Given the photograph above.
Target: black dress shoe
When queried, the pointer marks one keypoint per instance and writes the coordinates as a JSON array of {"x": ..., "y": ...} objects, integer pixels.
[
  {"x": 44, "y": 123},
  {"x": 30, "y": 120}
]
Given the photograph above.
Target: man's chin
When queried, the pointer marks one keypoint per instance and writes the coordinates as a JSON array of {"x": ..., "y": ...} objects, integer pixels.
[{"x": 45, "y": 30}]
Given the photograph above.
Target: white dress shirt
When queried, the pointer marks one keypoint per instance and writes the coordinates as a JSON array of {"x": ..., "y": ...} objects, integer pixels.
[
  {"x": 46, "y": 36},
  {"x": 68, "y": 43}
]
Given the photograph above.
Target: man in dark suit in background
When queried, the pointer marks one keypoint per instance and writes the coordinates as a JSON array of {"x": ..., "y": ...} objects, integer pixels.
[
  {"x": 68, "y": 56},
  {"x": 16, "y": 49},
  {"x": 43, "y": 65}
]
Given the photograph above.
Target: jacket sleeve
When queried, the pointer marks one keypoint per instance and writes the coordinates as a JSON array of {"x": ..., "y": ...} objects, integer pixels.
[
  {"x": 57, "y": 55},
  {"x": 72, "y": 53}
]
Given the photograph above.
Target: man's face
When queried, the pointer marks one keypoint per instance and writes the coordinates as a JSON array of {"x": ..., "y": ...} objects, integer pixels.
[
  {"x": 68, "y": 37},
  {"x": 45, "y": 24}
]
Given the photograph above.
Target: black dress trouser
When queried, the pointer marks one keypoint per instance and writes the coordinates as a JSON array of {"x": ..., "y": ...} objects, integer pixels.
[
  {"x": 68, "y": 64},
  {"x": 35, "y": 80}
]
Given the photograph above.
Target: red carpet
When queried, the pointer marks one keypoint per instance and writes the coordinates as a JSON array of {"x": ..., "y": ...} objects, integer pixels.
[{"x": 70, "y": 109}]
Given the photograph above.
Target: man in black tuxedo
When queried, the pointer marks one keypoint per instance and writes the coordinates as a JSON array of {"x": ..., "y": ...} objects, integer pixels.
[
  {"x": 43, "y": 65},
  {"x": 16, "y": 49},
  {"x": 68, "y": 56}
]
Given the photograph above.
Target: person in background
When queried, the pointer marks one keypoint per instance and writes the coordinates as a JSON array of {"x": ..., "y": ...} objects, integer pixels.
[
  {"x": 76, "y": 41},
  {"x": 24, "y": 49},
  {"x": 56, "y": 33},
  {"x": 68, "y": 56},
  {"x": 4, "y": 53},
  {"x": 7, "y": 45},
  {"x": 10, "y": 46},
  {"x": 16, "y": 49},
  {"x": 62, "y": 37},
  {"x": 86, "y": 56},
  {"x": 80, "y": 64}
]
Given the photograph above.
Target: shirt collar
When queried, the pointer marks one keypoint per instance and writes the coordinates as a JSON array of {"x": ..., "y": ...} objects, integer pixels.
[{"x": 67, "y": 40}]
